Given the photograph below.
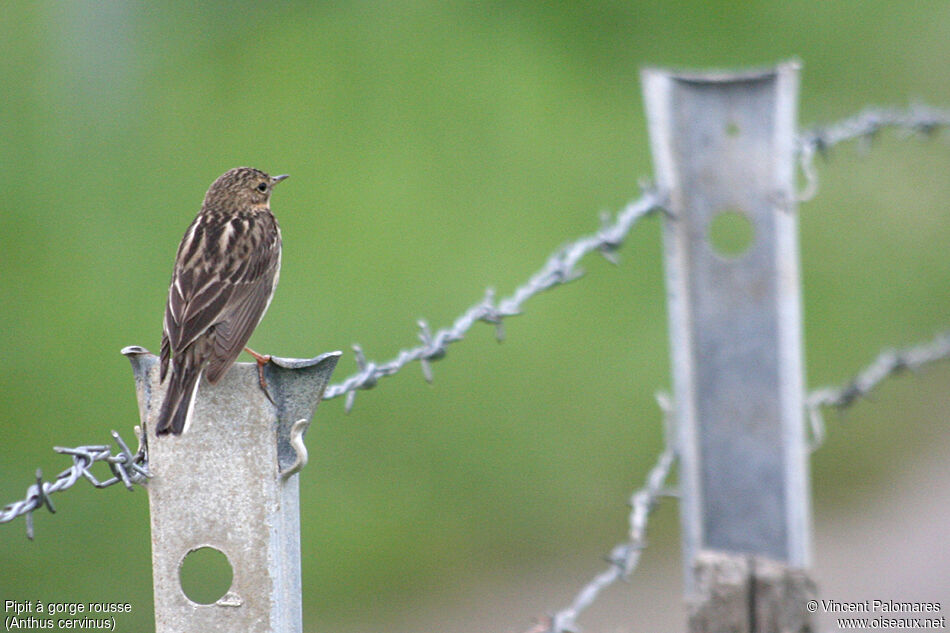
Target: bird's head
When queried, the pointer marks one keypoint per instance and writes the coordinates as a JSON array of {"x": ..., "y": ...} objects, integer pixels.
[{"x": 241, "y": 187}]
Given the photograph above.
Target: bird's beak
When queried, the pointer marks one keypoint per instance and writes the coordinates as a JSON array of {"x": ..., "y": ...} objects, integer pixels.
[{"x": 277, "y": 179}]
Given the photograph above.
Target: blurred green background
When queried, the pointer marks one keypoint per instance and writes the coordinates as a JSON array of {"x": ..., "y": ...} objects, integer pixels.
[{"x": 437, "y": 148}]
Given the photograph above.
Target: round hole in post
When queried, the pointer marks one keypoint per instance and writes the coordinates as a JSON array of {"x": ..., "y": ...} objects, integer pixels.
[
  {"x": 205, "y": 574},
  {"x": 730, "y": 233}
]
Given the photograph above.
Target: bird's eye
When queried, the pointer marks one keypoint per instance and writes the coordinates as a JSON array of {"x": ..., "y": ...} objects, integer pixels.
[{"x": 262, "y": 187}]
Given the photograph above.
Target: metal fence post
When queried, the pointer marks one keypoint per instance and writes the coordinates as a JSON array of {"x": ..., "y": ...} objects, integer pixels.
[
  {"x": 230, "y": 483},
  {"x": 725, "y": 144}
]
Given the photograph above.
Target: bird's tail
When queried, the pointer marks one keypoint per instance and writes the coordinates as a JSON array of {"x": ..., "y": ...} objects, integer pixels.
[{"x": 182, "y": 385}]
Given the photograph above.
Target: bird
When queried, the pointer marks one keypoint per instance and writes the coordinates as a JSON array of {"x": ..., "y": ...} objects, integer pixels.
[{"x": 225, "y": 274}]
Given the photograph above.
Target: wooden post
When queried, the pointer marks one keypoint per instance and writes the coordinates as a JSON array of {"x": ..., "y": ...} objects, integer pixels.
[{"x": 724, "y": 152}]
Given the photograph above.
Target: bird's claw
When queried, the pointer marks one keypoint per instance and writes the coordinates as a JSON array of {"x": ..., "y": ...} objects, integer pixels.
[
  {"x": 260, "y": 376},
  {"x": 261, "y": 359}
]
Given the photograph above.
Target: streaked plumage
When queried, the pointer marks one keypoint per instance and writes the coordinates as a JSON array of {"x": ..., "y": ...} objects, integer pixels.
[{"x": 225, "y": 274}]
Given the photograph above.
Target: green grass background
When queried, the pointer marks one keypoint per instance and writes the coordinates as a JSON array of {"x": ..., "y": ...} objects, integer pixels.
[{"x": 435, "y": 148}]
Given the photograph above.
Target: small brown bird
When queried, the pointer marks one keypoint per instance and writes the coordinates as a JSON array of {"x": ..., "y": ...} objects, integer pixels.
[{"x": 225, "y": 274}]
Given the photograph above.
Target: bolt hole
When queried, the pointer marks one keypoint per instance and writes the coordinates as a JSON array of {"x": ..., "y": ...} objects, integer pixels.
[
  {"x": 205, "y": 575},
  {"x": 730, "y": 233}
]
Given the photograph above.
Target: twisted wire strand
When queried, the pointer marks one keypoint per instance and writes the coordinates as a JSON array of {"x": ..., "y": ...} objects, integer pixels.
[
  {"x": 864, "y": 126},
  {"x": 624, "y": 557},
  {"x": 126, "y": 467},
  {"x": 560, "y": 268},
  {"x": 888, "y": 363}
]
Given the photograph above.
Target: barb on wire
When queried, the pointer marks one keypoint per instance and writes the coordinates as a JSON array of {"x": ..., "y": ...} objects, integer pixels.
[
  {"x": 888, "y": 363},
  {"x": 560, "y": 268},
  {"x": 126, "y": 467},
  {"x": 863, "y": 126},
  {"x": 625, "y": 557}
]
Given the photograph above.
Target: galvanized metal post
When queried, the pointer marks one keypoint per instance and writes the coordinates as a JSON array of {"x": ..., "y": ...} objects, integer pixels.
[
  {"x": 725, "y": 144},
  {"x": 230, "y": 483}
]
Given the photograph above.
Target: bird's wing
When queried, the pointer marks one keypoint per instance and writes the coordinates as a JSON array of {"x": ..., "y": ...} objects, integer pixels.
[
  {"x": 221, "y": 284},
  {"x": 236, "y": 325}
]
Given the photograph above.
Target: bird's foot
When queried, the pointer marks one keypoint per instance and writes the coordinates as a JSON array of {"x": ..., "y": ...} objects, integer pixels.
[{"x": 262, "y": 359}]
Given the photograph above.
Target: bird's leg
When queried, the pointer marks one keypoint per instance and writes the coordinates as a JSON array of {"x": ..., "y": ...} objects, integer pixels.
[{"x": 262, "y": 359}]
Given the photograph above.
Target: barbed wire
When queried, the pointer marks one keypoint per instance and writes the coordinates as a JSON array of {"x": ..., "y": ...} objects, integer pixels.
[
  {"x": 625, "y": 557},
  {"x": 864, "y": 126},
  {"x": 560, "y": 268},
  {"x": 889, "y": 362},
  {"x": 126, "y": 467}
]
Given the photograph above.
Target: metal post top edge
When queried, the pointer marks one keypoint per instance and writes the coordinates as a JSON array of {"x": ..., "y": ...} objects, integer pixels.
[
  {"x": 286, "y": 363},
  {"x": 723, "y": 75},
  {"x": 301, "y": 363}
]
